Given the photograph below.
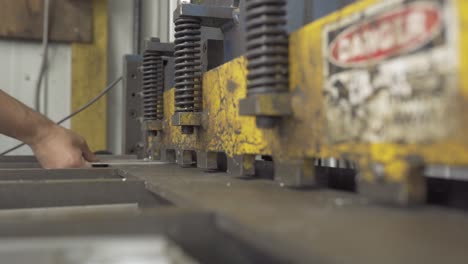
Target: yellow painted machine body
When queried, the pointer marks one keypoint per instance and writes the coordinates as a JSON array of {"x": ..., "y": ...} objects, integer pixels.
[{"x": 331, "y": 115}]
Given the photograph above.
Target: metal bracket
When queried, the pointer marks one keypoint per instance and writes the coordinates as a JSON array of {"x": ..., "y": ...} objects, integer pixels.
[
  {"x": 184, "y": 158},
  {"x": 409, "y": 190},
  {"x": 210, "y": 15},
  {"x": 166, "y": 49},
  {"x": 241, "y": 165},
  {"x": 187, "y": 119},
  {"x": 296, "y": 174},
  {"x": 273, "y": 104},
  {"x": 153, "y": 125},
  {"x": 207, "y": 160},
  {"x": 168, "y": 155},
  {"x": 133, "y": 141}
]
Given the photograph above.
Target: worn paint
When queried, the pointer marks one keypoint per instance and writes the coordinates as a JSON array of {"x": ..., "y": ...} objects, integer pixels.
[
  {"x": 222, "y": 129},
  {"x": 390, "y": 73},
  {"x": 304, "y": 134},
  {"x": 307, "y": 72}
]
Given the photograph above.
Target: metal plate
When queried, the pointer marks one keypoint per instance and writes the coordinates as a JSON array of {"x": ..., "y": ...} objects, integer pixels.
[
  {"x": 54, "y": 193},
  {"x": 319, "y": 226},
  {"x": 143, "y": 250},
  {"x": 196, "y": 232}
]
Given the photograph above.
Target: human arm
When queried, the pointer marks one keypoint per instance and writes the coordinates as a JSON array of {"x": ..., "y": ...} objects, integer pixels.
[{"x": 53, "y": 145}]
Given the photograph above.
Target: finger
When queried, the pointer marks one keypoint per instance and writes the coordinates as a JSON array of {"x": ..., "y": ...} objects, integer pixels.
[
  {"x": 87, "y": 164},
  {"x": 88, "y": 155},
  {"x": 76, "y": 164}
]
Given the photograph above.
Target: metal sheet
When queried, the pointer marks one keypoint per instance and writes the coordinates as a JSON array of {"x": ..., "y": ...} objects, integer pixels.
[
  {"x": 62, "y": 174},
  {"x": 195, "y": 231},
  {"x": 69, "y": 212},
  {"x": 30, "y": 162},
  {"x": 319, "y": 226},
  {"x": 30, "y": 158},
  {"x": 116, "y": 163},
  {"x": 104, "y": 250},
  {"x": 55, "y": 193}
]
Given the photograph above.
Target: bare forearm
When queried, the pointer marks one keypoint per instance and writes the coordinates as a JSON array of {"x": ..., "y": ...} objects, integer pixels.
[
  {"x": 54, "y": 146},
  {"x": 21, "y": 122}
]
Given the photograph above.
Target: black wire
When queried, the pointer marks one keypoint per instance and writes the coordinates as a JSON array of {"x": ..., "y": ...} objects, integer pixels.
[{"x": 81, "y": 109}]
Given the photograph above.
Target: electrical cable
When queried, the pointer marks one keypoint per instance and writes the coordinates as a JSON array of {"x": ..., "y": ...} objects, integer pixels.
[
  {"x": 81, "y": 109},
  {"x": 45, "y": 48}
]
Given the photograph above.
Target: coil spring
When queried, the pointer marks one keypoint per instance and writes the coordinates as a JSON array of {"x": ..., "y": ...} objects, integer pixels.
[
  {"x": 153, "y": 86},
  {"x": 267, "y": 46},
  {"x": 187, "y": 64}
]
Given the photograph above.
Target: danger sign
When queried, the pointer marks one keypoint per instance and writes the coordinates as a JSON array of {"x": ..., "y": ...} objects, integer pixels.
[
  {"x": 390, "y": 73},
  {"x": 389, "y": 34}
]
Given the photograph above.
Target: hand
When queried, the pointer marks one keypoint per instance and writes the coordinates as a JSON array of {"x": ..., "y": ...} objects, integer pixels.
[{"x": 62, "y": 148}]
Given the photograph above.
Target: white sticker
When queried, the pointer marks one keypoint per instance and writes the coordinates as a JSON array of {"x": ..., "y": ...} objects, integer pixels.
[{"x": 391, "y": 75}]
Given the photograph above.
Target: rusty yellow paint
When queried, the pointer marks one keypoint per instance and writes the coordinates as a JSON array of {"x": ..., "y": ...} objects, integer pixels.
[
  {"x": 304, "y": 135},
  {"x": 89, "y": 77},
  {"x": 306, "y": 77},
  {"x": 223, "y": 129}
]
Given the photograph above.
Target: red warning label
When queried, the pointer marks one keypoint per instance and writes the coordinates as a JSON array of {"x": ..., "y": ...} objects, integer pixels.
[
  {"x": 391, "y": 73},
  {"x": 391, "y": 33}
]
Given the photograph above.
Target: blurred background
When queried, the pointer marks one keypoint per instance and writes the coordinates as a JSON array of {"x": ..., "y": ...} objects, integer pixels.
[{"x": 88, "y": 39}]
